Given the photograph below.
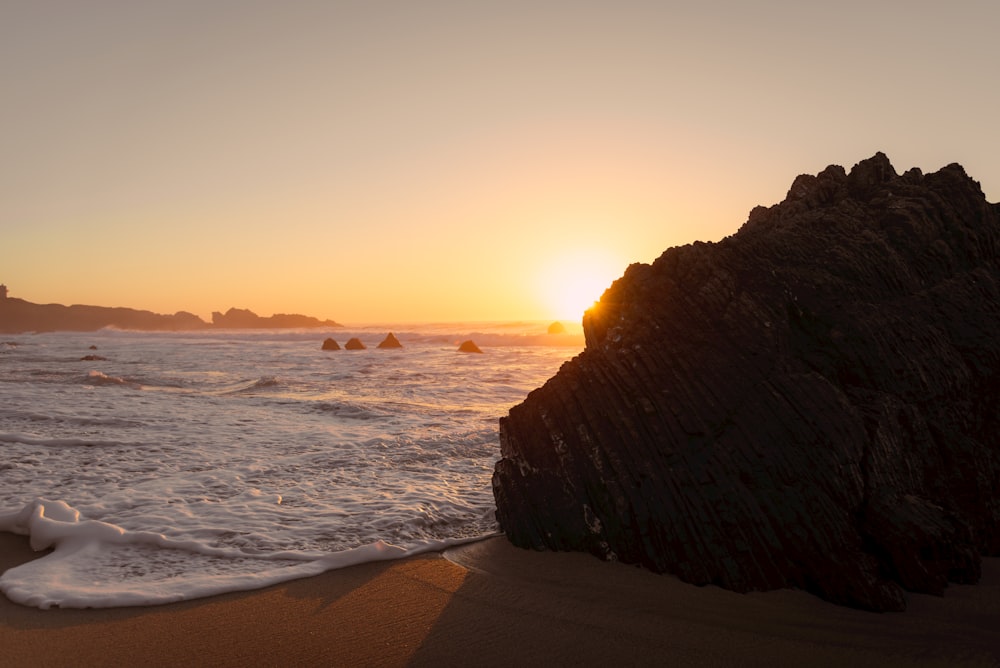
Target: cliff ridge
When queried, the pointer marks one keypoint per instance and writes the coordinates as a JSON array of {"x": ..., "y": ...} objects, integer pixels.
[{"x": 18, "y": 315}]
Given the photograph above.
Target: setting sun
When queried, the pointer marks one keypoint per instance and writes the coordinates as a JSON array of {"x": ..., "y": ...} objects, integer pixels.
[{"x": 572, "y": 282}]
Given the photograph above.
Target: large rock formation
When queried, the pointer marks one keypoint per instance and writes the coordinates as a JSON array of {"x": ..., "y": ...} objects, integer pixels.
[{"x": 812, "y": 402}]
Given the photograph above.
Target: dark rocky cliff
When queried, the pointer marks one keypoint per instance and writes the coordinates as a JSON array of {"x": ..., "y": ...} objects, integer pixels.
[{"x": 812, "y": 402}]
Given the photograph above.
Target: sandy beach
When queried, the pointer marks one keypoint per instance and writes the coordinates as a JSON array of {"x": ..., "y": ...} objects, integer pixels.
[{"x": 491, "y": 604}]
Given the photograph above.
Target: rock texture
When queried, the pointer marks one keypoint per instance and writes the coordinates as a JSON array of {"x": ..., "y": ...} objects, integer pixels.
[
  {"x": 812, "y": 402},
  {"x": 330, "y": 344}
]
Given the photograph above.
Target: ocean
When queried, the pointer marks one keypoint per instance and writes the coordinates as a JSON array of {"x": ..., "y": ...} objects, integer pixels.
[{"x": 169, "y": 466}]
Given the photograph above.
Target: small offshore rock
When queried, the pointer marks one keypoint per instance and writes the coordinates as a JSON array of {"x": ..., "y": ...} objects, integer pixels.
[
  {"x": 354, "y": 344},
  {"x": 330, "y": 344},
  {"x": 390, "y": 341},
  {"x": 469, "y": 347}
]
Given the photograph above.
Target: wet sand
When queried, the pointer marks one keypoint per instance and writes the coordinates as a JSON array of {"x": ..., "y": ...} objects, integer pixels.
[{"x": 490, "y": 604}]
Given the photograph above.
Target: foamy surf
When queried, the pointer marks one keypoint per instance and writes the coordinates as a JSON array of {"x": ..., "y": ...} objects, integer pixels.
[
  {"x": 245, "y": 458},
  {"x": 95, "y": 564}
]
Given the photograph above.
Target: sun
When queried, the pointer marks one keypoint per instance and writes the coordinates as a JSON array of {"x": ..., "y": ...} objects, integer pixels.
[{"x": 573, "y": 281}]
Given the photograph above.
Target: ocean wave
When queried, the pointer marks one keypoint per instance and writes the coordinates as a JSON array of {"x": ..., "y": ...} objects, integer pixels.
[
  {"x": 24, "y": 439},
  {"x": 348, "y": 410},
  {"x": 490, "y": 338},
  {"x": 52, "y": 376},
  {"x": 271, "y": 445},
  {"x": 101, "y": 379},
  {"x": 75, "y": 420},
  {"x": 96, "y": 564},
  {"x": 267, "y": 383}
]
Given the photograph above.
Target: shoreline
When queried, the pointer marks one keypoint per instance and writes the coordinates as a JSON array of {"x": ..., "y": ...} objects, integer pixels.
[{"x": 489, "y": 603}]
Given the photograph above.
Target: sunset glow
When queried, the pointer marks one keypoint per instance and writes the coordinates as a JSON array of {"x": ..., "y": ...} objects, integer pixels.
[
  {"x": 573, "y": 282},
  {"x": 363, "y": 164}
]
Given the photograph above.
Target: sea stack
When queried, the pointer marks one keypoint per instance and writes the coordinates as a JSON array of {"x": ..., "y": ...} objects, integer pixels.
[
  {"x": 557, "y": 328},
  {"x": 469, "y": 347},
  {"x": 354, "y": 344},
  {"x": 390, "y": 341},
  {"x": 811, "y": 402},
  {"x": 330, "y": 344}
]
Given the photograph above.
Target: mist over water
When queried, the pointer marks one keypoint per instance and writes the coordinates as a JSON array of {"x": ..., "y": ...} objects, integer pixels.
[{"x": 187, "y": 464}]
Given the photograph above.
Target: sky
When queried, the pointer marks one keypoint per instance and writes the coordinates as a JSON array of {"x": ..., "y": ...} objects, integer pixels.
[{"x": 446, "y": 161}]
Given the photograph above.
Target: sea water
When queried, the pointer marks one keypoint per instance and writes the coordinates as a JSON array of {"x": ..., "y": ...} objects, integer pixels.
[{"x": 188, "y": 464}]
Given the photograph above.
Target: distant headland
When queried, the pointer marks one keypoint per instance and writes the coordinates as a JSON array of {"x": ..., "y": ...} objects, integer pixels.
[{"x": 18, "y": 315}]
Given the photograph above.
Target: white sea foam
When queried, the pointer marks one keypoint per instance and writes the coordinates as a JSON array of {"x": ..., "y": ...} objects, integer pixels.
[
  {"x": 97, "y": 565},
  {"x": 234, "y": 460}
]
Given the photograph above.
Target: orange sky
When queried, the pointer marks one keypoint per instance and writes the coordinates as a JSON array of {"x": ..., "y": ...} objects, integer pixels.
[{"x": 434, "y": 161}]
